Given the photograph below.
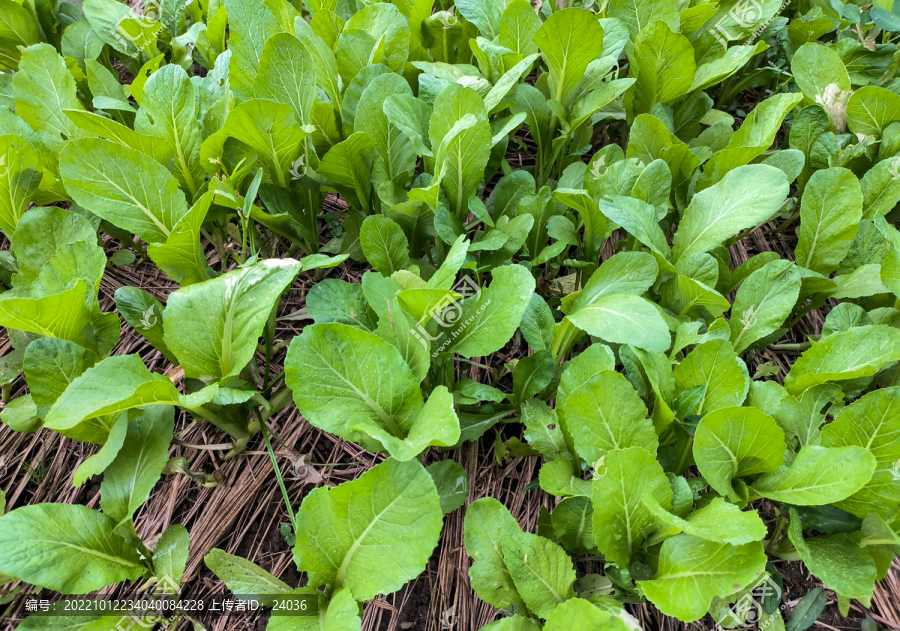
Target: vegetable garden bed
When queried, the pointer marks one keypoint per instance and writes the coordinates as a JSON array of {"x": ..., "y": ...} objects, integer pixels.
[{"x": 486, "y": 316}]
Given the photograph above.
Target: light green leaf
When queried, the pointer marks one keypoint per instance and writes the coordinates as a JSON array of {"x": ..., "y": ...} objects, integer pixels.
[
  {"x": 344, "y": 378},
  {"x": 576, "y": 612},
  {"x": 692, "y": 571},
  {"x": 241, "y": 576},
  {"x": 384, "y": 244},
  {"x": 871, "y": 422},
  {"x": 43, "y": 89},
  {"x": 99, "y": 462},
  {"x": 144, "y": 314},
  {"x": 621, "y": 520},
  {"x": 286, "y": 75},
  {"x": 663, "y": 61},
  {"x": 859, "y": 352},
  {"x": 272, "y": 131},
  {"x": 764, "y": 301},
  {"x": 837, "y": 560},
  {"x": 50, "y": 365},
  {"x": 213, "y": 326},
  {"x": 496, "y": 313},
  {"x": 818, "y": 476},
  {"x": 126, "y": 187},
  {"x": 872, "y": 108},
  {"x": 830, "y": 210},
  {"x": 541, "y": 571},
  {"x": 735, "y": 442},
  {"x": 713, "y": 365},
  {"x": 128, "y": 480},
  {"x": 65, "y": 547},
  {"x": 487, "y": 524},
  {"x": 371, "y": 535},
  {"x": 718, "y": 521},
  {"x": 746, "y": 196},
  {"x": 182, "y": 256},
  {"x": 20, "y": 177},
  {"x": 348, "y": 165},
  {"x": 569, "y": 40},
  {"x": 63, "y": 315},
  {"x": 605, "y": 413}
]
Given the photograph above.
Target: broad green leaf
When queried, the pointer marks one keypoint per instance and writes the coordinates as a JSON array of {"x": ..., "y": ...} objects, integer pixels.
[
  {"x": 880, "y": 189},
  {"x": 386, "y": 25},
  {"x": 870, "y": 109},
  {"x": 17, "y": 28},
  {"x": 241, "y": 576},
  {"x": 155, "y": 147},
  {"x": 572, "y": 521},
  {"x": 20, "y": 176},
  {"x": 746, "y": 196},
  {"x": 101, "y": 460},
  {"x": 837, "y": 560},
  {"x": 621, "y": 520},
  {"x": 871, "y": 422},
  {"x": 343, "y": 378},
  {"x": 272, "y": 132},
  {"x": 639, "y": 15},
  {"x": 822, "y": 77},
  {"x": 123, "y": 186},
  {"x": 753, "y": 138},
  {"x": 569, "y": 40},
  {"x": 518, "y": 24},
  {"x": 515, "y": 623},
  {"x": 537, "y": 324},
  {"x": 663, "y": 61},
  {"x": 65, "y": 547},
  {"x": 531, "y": 375},
  {"x": 384, "y": 244},
  {"x": 639, "y": 219},
  {"x": 650, "y": 140},
  {"x": 410, "y": 115},
  {"x": 213, "y": 326},
  {"x": 42, "y": 234},
  {"x": 250, "y": 26},
  {"x": 182, "y": 256},
  {"x": 577, "y": 612},
  {"x": 541, "y": 571},
  {"x": 348, "y": 165},
  {"x": 436, "y": 424},
  {"x": 170, "y": 554},
  {"x": 50, "y": 365},
  {"x": 113, "y": 385},
  {"x": 763, "y": 302},
  {"x": 487, "y": 524},
  {"x": 734, "y": 442},
  {"x": 818, "y": 476},
  {"x": 692, "y": 571},
  {"x": 830, "y": 210},
  {"x": 286, "y": 75},
  {"x": 335, "y": 300},
  {"x": 168, "y": 105},
  {"x": 605, "y": 413},
  {"x": 623, "y": 318},
  {"x": 373, "y": 534},
  {"x": 463, "y": 142},
  {"x": 713, "y": 365},
  {"x": 718, "y": 521},
  {"x": 43, "y": 88},
  {"x": 495, "y": 315},
  {"x": 395, "y": 158},
  {"x": 128, "y": 480},
  {"x": 848, "y": 355},
  {"x": 63, "y": 315}
]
